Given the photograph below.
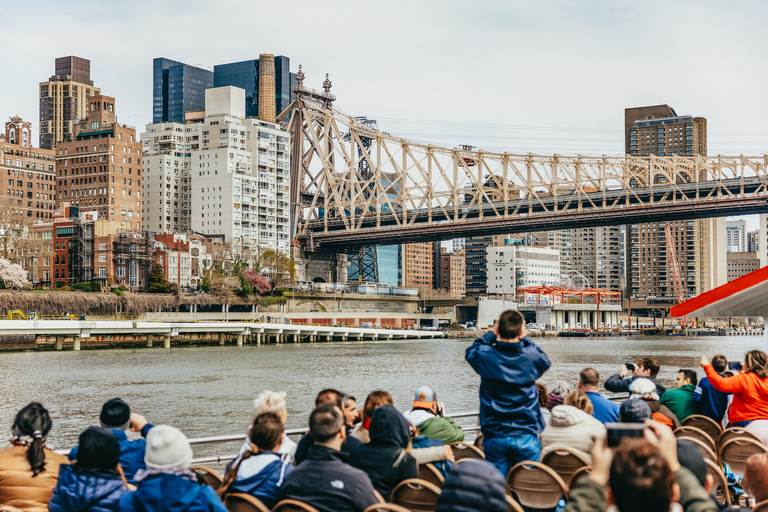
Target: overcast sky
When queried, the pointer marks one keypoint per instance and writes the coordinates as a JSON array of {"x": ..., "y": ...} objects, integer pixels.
[{"x": 519, "y": 76}]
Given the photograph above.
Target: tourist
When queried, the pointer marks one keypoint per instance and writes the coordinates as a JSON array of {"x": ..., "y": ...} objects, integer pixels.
[
  {"x": 324, "y": 480},
  {"x": 712, "y": 402},
  {"x": 750, "y": 388},
  {"x": 385, "y": 458},
  {"x": 431, "y": 451},
  {"x": 509, "y": 364},
  {"x": 351, "y": 414},
  {"x": 557, "y": 393},
  {"x": 95, "y": 481},
  {"x": 473, "y": 486},
  {"x": 643, "y": 476},
  {"x": 260, "y": 471},
  {"x": 755, "y": 481},
  {"x": 572, "y": 426},
  {"x": 117, "y": 416},
  {"x": 428, "y": 415},
  {"x": 274, "y": 402},
  {"x": 680, "y": 399},
  {"x": 634, "y": 410},
  {"x": 646, "y": 368},
  {"x": 326, "y": 396},
  {"x": 374, "y": 400},
  {"x": 29, "y": 470},
  {"x": 544, "y": 402},
  {"x": 167, "y": 484},
  {"x": 605, "y": 411},
  {"x": 645, "y": 390}
]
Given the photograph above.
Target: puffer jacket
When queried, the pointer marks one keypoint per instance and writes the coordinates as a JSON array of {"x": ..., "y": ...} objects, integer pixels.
[
  {"x": 18, "y": 488},
  {"x": 261, "y": 476},
  {"x": 435, "y": 427},
  {"x": 170, "y": 493},
  {"x": 571, "y": 428},
  {"x": 86, "y": 490},
  {"x": 131, "y": 452},
  {"x": 473, "y": 486}
]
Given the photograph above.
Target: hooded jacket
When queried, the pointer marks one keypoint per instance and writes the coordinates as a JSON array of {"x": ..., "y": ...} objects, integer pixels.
[
  {"x": 435, "y": 427},
  {"x": 662, "y": 414},
  {"x": 170, "y": 493},
  {"x": 325, "y": 481},
  {"x": 18, "y": 488},
  {"x": 87, "y": 490},
  {"x": 473, "y": 486},
  {"x": 509, "y": 399},
  {"x": 572, "y": 428},
  {"x": 384, "y": 459},
  {"x": 680, "y": 402},
  {"x": 131, "y": 452},
  {"x": 261, "y": 476}
]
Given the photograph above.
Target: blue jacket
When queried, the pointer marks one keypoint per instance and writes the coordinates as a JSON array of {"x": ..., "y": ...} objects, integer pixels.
[
  {"x": 171, "y": 493},
  {"x": 423, "y": 441},
  {"x": 713, "y": 402},
  {"x": 262, "y": 476},
  {"x": 509, "y": 399},
  {"x": 473, "y": 486},
  {"x": 605, "y": 411},
  {"x": 618, "y": 384},
  {"x": 131, "y": 452},
  {"x": 86, "y": 490}
]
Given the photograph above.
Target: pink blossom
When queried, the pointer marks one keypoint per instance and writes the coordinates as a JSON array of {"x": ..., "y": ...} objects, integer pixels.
[
  {"x": 259, "y": 283},
  {"x": 14, "y": 276}
]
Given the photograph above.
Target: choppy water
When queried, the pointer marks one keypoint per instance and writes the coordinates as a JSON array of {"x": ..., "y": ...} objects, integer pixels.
[{"x": 209, "y": 390}]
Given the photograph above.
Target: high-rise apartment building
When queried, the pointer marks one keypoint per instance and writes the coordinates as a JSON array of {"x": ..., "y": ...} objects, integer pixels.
[
  {"x": 100, "y": 169},
  {"x": 177, "y": 88},
  {"x": 515, "y": 266},
  {"x": 27, "y": 177},
  {"x": 245, "y": 75},
  {"x": 699, "y": 244},
  {"x": 736, "y": 235},
  {"x": 64, "y": 100},
  {"x": 240, "y": 176},
  {"x": 167, "y": 160},
  {"x": 452, "y": 277},
  {"x": 418, "y": 265}
]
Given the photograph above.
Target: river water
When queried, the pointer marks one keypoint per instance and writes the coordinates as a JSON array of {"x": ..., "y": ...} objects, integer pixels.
[{"x": 209, "y": 390}]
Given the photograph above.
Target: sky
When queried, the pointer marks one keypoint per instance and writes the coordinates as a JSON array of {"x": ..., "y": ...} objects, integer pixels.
[{"x": 517, "y": 76}]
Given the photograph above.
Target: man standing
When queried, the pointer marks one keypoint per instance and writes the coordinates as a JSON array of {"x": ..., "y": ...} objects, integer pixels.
[
  {"x": 509, "y": 363},
  {"x": 646, "y": 368},
  {"x": 428, "y": 415},
  {"x": 605, "y": 411},
  {"x": 680, "y": 400},
  {"x": 712, "y": 402}
]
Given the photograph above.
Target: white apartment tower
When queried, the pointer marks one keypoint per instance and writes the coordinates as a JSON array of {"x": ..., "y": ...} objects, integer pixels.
[{"x": 516, "y": 266}]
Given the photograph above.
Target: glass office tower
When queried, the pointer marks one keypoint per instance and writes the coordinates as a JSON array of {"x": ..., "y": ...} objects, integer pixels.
[
  {"x": 245, "y": 75},
  {"x": 176, "y": 89}
]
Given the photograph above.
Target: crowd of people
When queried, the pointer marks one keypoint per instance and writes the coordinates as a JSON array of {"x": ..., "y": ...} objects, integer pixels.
[{"x": 352, "y": 458}]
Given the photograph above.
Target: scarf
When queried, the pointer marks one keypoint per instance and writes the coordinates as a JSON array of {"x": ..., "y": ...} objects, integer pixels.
[{"x": 145, "y": 473}]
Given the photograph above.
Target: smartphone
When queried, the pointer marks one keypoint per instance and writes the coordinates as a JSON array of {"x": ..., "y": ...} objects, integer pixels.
[
  {"x": 618, "y": 431},
  {"x": 734, "y": 365},
  {"x": 630, "y": 366}
]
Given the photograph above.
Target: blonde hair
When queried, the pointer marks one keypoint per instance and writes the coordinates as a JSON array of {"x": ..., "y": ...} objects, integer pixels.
[
  {"x": 272, "y": 401},
  {"x": 579, "y": 400}
]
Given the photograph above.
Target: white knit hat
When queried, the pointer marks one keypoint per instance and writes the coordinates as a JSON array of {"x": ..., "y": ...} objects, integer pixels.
[
  {"x": 167, "y": 447},
  {"x": 643, "y": 388}
]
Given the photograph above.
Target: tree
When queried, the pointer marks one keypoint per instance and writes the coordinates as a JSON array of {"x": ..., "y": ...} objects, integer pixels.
[
  {"x": 157, "y": 282},
  {"x": 13, "y": 275},
  {"x": 259, "y": 284},
  {"x": 245, "y": 287},
  {"x": 279, "y": 267}
]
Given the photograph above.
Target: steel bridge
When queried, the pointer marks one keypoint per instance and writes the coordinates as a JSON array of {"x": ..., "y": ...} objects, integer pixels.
[{"x": 353, "y": 185}]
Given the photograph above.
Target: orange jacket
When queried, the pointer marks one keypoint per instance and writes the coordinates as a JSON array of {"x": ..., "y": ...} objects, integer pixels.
[
  {"x": 750, "y": 394},
  {"x": 18, "y": 488}
]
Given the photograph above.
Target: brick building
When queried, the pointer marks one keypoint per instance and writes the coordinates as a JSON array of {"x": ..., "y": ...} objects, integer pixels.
[
  {"x": 452, "y": 274},
  {"x": 418, "y": 265}
]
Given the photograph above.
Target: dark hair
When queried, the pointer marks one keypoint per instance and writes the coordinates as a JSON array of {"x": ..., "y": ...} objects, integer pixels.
[
  {"x": 375, "y": 400},
  {"x": 510, "y": 324},
  {"x": 719, "y": 363},
  {"x": 34, "y": 421},
  {"x": 325, "y": 422},
  {"x": 649, "y": 363},
  {"x": 589, "y": 377},
  {"x": 727, "y": 374},
  {"x": 755, "y": 361},
  {"x": 690, "y": 375},
  {"x": 543, "y": 395},
  {"x": 266, "y": 431},
  {"x": 640, "y": 478},
  {"x": 329, "y": 395},
  {"x": 345, "y": 398}
]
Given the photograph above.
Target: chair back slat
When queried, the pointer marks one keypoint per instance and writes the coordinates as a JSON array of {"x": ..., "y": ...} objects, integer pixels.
[
  {"x": 734, "y": 432},
  {"x": 702, "y": 446},
  {"x": 578, "y": 475},
  {"x": 720, "y": 483},
  {"x": 564, "y": 462},
  {"x": 293, "y": 506},
  {"x": 736, "y": 452},
  {"x": 535, "y": 485},
  {"x": 241, "y": 502},
  {"x": 479, "y": 441},
  {"x": 386, "y": 507},
  {"x": 466, "y": 451},
  {"x": 431, "y": 474},
  {"x": 211, "y": 477},
  {"x": 708, "y": 425},
  {"x": 416, "y": 495},
  {"x": 697, "y": 433}
]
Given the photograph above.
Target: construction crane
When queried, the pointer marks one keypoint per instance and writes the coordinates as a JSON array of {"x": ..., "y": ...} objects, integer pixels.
[{"x": 677, "y": 279}]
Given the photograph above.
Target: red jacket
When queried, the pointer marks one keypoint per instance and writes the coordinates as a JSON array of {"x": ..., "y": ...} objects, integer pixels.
[{"x": 750, "y": 394}]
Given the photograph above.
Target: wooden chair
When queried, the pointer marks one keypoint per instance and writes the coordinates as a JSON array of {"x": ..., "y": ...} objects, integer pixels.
[
  {"x": 210, "y": 476},
  {"x": 761, "y": 507},
  {"x": 708, "y": 425},
  {"x": 736, "y": 452},
  {"x": 293, "y": 506},
  {"x": 565, "y": 462},
  {"x": 241, "y": 502},
  {"x": 733, "y": 433},
  {"x": 702, "y": 446},
  {"x": 697, "y": 433},
  {"x": 512, "y": 505},
  {"x": 386, "y": 507},
  {"x": 535, "y": 485},
  {"x": 466, "y": 451},
  {"x": 416, "y": 495},
  {"x": 431, "y": 474},
  {"x": 479, "y": 441},
  {"x": 379, "y": 496},
  {"x": 719, "y": 482},
  {"x": 578, "y": 475}
]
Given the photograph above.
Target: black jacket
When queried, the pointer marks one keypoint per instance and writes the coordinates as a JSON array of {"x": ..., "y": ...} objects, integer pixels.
[
  {"x": 306, "y": 442},
  {"x": 384, "y": 459},
  {"x": 325, "y": 481},
  {"x": 618, "y": 384},
  {"x": 473, "y": 486}
]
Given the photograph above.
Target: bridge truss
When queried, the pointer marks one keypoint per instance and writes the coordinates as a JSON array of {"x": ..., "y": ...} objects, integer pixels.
[{"x": 353, "y": 185}]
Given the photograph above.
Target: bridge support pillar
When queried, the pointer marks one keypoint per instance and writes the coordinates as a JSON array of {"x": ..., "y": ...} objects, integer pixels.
[
  {"x": 222, "y": 339},
  {"x": 166, "y": 342},
  {"x": 59, "y": 342},
  {"x": 239, "y": 340},
  {"x": 258, "y": 339},
  {"x": 150, "y": 339},
  {"x": 76, "y": 344}
]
